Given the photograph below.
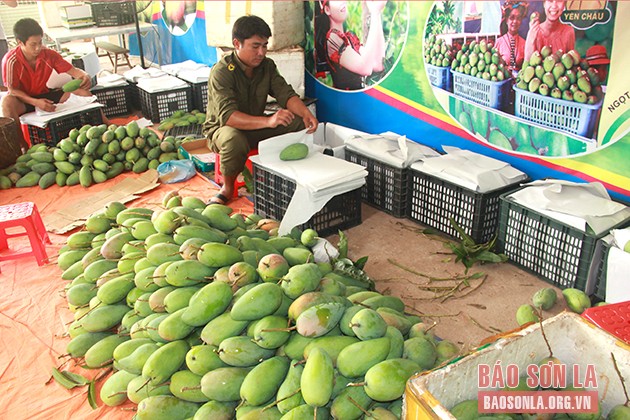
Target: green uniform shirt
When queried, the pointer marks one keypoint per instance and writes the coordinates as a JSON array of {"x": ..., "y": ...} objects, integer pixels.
[{"x": 229, "y": 90}]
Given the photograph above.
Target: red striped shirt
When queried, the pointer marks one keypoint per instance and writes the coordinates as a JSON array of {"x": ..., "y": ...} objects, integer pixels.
[{"x": 18, "y": 74}]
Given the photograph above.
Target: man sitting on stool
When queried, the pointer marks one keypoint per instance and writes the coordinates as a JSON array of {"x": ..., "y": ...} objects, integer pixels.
[
  {"x": 237, "y": 95},
  {"x": 26, "y": 70}
]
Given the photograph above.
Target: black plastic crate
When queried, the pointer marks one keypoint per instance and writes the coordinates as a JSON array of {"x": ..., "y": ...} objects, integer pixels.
[
  {"x": 117, "y": 99},
  {"x": 434, "y": 201},
  {"x": 157, "y": 106},
  {"x": 273, "y": 192},
  {"x": 556, "y": 252},
  {"x": 386, "y": 186},
  {"x": 199, "y": 96},
  {"x": 112, "y": 13},
  {"x": 185, "y": 131},
  {"x": 134, "y": 92},
  {"x": 58, "y": 128},
  {"x": 600, "y": 280}
]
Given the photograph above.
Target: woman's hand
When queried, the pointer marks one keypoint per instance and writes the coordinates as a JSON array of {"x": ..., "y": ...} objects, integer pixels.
[{"x": 374, "y": 6}]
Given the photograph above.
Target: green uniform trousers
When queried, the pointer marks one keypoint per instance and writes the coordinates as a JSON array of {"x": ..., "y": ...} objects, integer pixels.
[{"x": 233, "y": 145}]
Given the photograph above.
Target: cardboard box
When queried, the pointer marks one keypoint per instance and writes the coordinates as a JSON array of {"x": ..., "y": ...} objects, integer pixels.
[
  {"x": 285, "y": 18},
  {"x": 573, "y": 340},
  {"x": 76, "y": 213},
  {"x": 290, "y": 63},
  {"x": 199, "y": 153}
]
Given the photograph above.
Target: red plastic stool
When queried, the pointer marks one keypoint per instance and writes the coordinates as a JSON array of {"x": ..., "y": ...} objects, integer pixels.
[
  {"x": 218, "y": 176},
  {"x": 24, "y": 215}
]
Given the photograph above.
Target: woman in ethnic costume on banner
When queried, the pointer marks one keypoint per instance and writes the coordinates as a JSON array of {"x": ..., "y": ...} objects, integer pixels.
[{"x": 511, "y": 45}]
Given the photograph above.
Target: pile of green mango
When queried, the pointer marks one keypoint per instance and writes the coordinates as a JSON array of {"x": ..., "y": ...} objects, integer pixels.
[
  {"x": 90, "y": 155},
  {"x": 560, "y": 75},
  {"x": 482, "y": 60},
  {"x": 437, "y": 52},
  {"x": 181, "y": 118},
  {"x": 208, "y": 314}
]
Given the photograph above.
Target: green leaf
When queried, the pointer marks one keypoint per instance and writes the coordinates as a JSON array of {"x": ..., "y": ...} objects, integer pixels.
[
  {"x": 465, "y": 237},
  {"x": 360, "y": 263},
  {"x": 248, "y": 179},
  {"x": 64, "y": 380},
  {"x": 92, "y": 395},
  {"x": 488, "y": 256},
  {"x": 430, "y": 231},
  {"x": 342, "y": 246},
  {"x": 79, "y": 379}
]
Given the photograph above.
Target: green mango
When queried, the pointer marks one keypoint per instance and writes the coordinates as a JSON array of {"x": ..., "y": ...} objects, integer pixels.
[
  {"x": 300, "y": 279},
  {"x": 165, "y": 407},
  {"x": 343, "y": 407},
  {"x": 396, "y": 343},
  {"x": 368, "y": 324},
  {"x": 386, "y": 381},
  {"x": 221, "y": 328},
  {"x": 165, "y": 361},
  {"x": 104, "y": 317},
  {"x": 72, "y": 85},
  {"x": 306, "y": 411},
  {"x": 219, "y": 219},
  {"x": 179, "y": 298},
  {"x": 135, "y": 361},
  {"x": 80, "y": 294},
  {"x": 297, "y": 256},
  {"x": 186, "y": 386},
  {"x": 101, "y": 353},
  {"x": 295, "y": 345},
  {"x": 219, "y": 255},
  {"x": 241, "y": 351},
  {"x": 224, "y": 384},
  {"x": 333, "y": 345},
  {"x": 295, "y": 151},
  {"x": 114, "y": 389},
  {"x": 466, "y": 410},
  {"x": 173, "y": 327},
  {"x": 124, "y": 349},
  {"x": 270, "y": 332},
  {"x": 201, "y": 359},
  {"x": 264, "y": 380},
  {"x": 188, "y": 273},
  {"x": 319, "y": 319},
  {"x": 79, "y": 345},
  {"x": 261, "y": 300},
  {"x": 208, "y": 303},
  {"x": 289, "y": 394},
  {"x": 183, "y": 233},
  {"x": 317, "y": 378},
  {"x": 216, "y": 410},
  {"x": 420, "y": 350},
  {"x": 162, "y": 252},
  {"x": 357, "y": 358}
]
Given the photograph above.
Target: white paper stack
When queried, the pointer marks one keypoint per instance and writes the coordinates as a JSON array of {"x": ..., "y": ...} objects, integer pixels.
[
  {"x": 470, "y": 170},
  {"x": 106, "y": 79},
  {"x": 575, "y": 204},
  {"x": 188, "y": 70},
  {"x": 617, "y": 279},
  {"x": 137, "y": 73},
  {"x": 74, "y": 104},
  {"x": 161, "y": 83},
  {"x": 318, "y": 177},
  {"x": 390, "y": 148}
]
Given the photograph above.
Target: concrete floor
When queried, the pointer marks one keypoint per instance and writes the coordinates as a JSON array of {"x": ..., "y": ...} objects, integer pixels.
[{"x": 401, "y": 258}]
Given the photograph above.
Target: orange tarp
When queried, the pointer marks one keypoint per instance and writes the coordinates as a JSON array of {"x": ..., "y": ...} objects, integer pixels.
[{"x": 34, "y": 315}]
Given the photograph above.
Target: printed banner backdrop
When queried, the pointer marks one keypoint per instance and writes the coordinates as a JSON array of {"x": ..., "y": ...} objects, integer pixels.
[
  {"x": 181, "y": 32},
  {"x": 539, "y": 85}
]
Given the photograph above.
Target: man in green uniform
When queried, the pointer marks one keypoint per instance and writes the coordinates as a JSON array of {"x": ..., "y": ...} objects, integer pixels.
[{"x": 237, "y": 94}]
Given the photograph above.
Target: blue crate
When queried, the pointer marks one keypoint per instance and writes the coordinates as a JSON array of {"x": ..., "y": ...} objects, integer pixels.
[
  {"x": 572, "y": 117},
  {"x": 440, "y": 77},
  {"x": 484, "y": 92}
]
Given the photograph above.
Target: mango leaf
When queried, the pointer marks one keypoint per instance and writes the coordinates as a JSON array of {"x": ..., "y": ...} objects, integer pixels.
[
  {"x": 360, "y": 263},
  {"x": 67, "y": 379},
  {"x": 92, "y": 395},
  {"x": 488, "y": 256},
  {"x": 342, "y": 246}
]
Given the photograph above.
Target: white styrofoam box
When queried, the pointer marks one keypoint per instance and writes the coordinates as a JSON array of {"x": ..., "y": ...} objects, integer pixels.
[
  {"x": 290, "y": 63},
  {"x": 573, "y": 340},
  {"x": 333, "y": 136},
  {"x": 285, "y": 18}
]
